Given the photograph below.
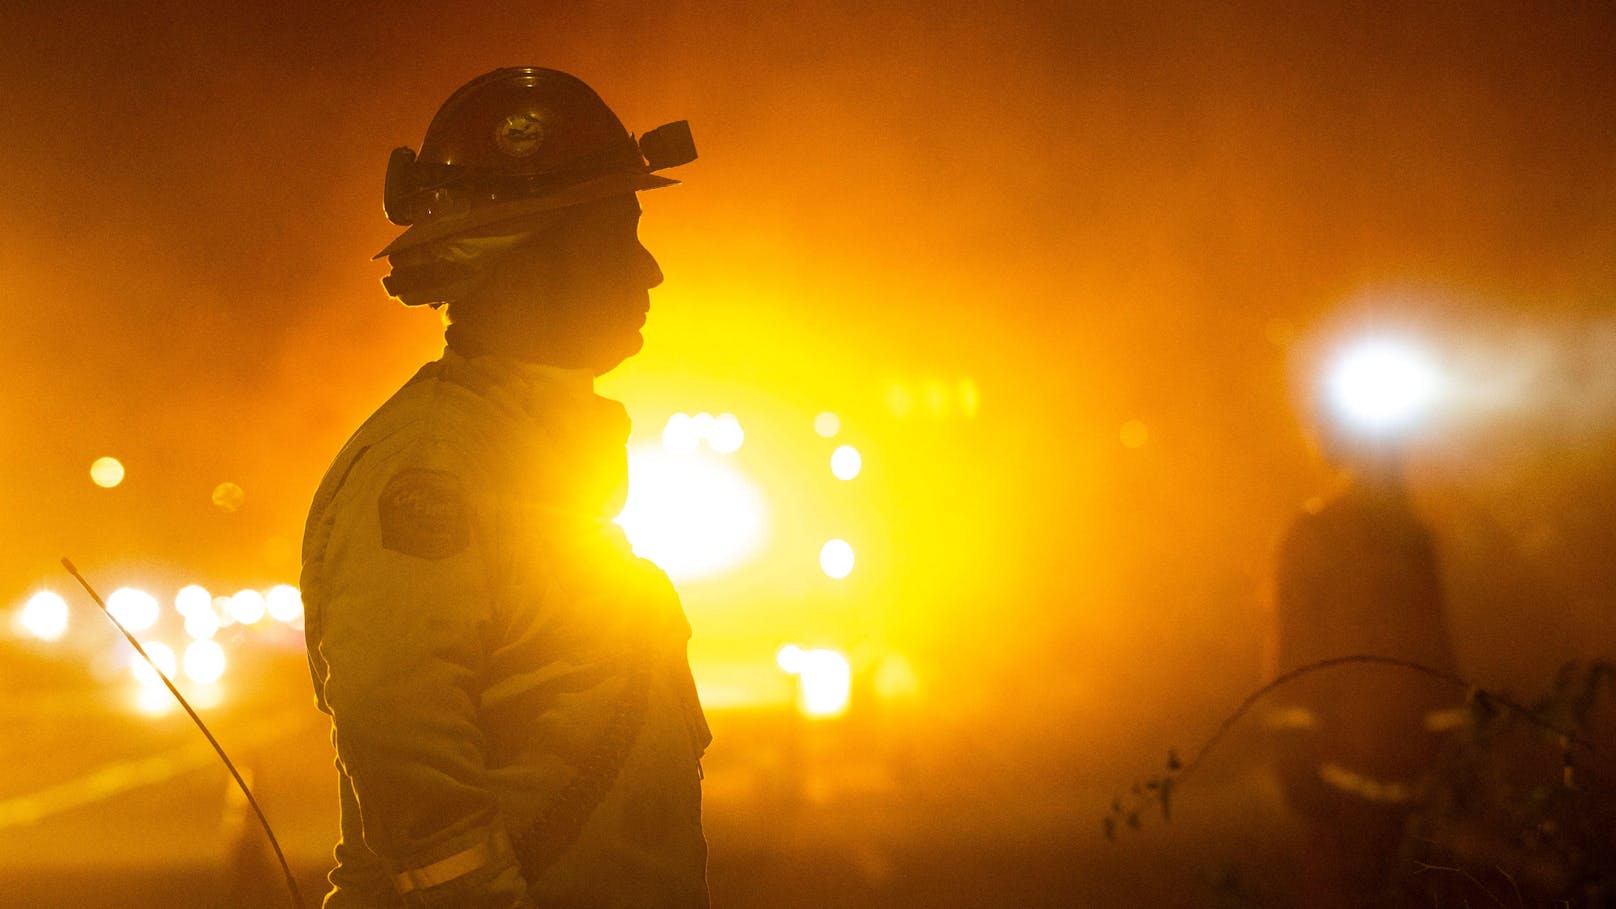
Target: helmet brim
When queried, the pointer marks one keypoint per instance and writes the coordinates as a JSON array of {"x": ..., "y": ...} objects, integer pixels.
[{"x": 602, "y": 187}]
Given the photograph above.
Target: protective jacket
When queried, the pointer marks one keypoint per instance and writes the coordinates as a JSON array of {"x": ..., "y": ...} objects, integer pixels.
[
  {"x": 512, "y": 707},
  {"x": 1360, "y": 576}
]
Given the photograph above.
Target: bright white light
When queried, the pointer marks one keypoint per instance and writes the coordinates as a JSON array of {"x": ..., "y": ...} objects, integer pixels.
[
  {"x": 202, "y": 625},
  {"x": 221, "y": 612},
  {"x": 154, "y": 701},
  {"x": 845, "y": 462},
  {"x": 690, "y": 514},
  {"x": 836, "y": 558},
  {"x": 135, "y": 609},
  {"x": 247, "y": 607},
  {"x": 106, "y": 472},
  {"x": 703, "y": 423},
  {"x": 827, "y": 424},
  {"x": 44, "y": 616},
  {"x": 726, "y": 434},
  {"x": 789, "y": 659},
  {"x": 680, "y": 435},
  {"x": 824, "y": 676},
  {"x": 204, "y": 661},
  {"x": 162, "y": 655},
  {"x": 192, "y": 599},
  {"x": 284, "y": 603},
  {"x": 1383, "y": 386}
]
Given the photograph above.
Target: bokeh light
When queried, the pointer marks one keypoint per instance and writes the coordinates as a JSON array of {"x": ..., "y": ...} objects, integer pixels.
[
  {"x": 680, "y": 434},
  {"x": 44, "y": 616},
  {"x": 162, "y": 655},
  {"x": 846, "y": 462},
  {"x": 204, "y": 661},
  {"x": 134, "y": 609},
  {"x": 247, "y": 607},
  {"x": 192, "y": 599},
  {"x": 691, "y": 515},
  {"x": 1383, "y": 386},
  {"x": 202, "y": 625},
  {"x": 726, "y": 435},
  {"x": 824, "y": 679},
  {"x": 836, "y": 558},
  {"x": 106, "y": 472},
  {"x": 827, "y": 424},
  {"x": 229, "y": 497},
  {"x": 284, "y": 603}
]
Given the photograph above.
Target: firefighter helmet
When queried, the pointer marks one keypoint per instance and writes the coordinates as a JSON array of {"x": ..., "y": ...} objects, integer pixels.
[{"x": 517, "y": 142}]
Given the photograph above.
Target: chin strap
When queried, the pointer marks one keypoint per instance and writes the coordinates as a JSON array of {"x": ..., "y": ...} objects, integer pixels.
[{"x": 291, "y": 882}]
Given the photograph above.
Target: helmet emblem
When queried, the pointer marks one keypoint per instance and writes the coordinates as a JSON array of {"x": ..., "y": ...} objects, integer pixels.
[{"x": 520, "y": 135}]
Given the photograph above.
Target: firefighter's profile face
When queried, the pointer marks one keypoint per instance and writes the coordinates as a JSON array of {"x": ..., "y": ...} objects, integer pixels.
[{"x": 583, "y": 288}]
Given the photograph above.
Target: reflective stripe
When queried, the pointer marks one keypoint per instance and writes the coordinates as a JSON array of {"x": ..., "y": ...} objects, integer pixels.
[
  {"x": 458, "y": 865},
  {"x": 1291, "y": 718},
  {"x": 1365, "y": 787},
  {"x": 1446, "y": 720}
]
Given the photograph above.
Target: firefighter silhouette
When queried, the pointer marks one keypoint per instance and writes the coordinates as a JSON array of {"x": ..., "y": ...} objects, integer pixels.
[{"x": 1357, "y": 574}]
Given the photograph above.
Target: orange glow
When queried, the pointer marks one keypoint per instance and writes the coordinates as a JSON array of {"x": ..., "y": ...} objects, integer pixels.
[
  {"x": 1134, "y": 434},
  {"x": 970, "y": 398}
]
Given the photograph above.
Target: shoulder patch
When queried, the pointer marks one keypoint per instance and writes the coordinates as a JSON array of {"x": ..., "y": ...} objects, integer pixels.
[{"x": 424, "y": 513}]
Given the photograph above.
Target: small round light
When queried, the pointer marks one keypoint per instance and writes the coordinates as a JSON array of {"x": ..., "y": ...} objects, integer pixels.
[
  {"x": 284, "y": 603},
  {"x": 680, "y": 434},
  {"x": 202, "y": 625},
  {"x": 135, "y": 609},
  {"x": 836, "y": 559},
  {"x": 192, "y": 599},
  {"x": 846, "y": 462},
  {"x": 789, "y": 659},
  {"x": 162, "y": 655},
  {"x": 826, "y": 680},
  {"x": 106, "y": 472},
  {"x": 204, "y": 661},
  {"x": 726, "y": 435},
  {"x": 229, "y": 497},
  {"x": 827, "y": 424},
  {"x": 247, "y": 607},
  {"x": 44, "y": 616}
]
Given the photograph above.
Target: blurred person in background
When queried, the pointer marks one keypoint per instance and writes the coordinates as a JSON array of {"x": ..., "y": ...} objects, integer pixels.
[
  {"x": 1357, "y": 574},
  {"x": 512, "y": 708}
]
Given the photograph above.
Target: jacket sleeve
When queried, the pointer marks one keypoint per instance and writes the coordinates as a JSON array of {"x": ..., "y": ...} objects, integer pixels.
[{"x": 408, "y": 598}]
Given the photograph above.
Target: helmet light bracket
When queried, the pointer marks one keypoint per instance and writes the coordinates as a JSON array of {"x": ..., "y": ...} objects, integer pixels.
[{"x": 669, "y": 145}]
